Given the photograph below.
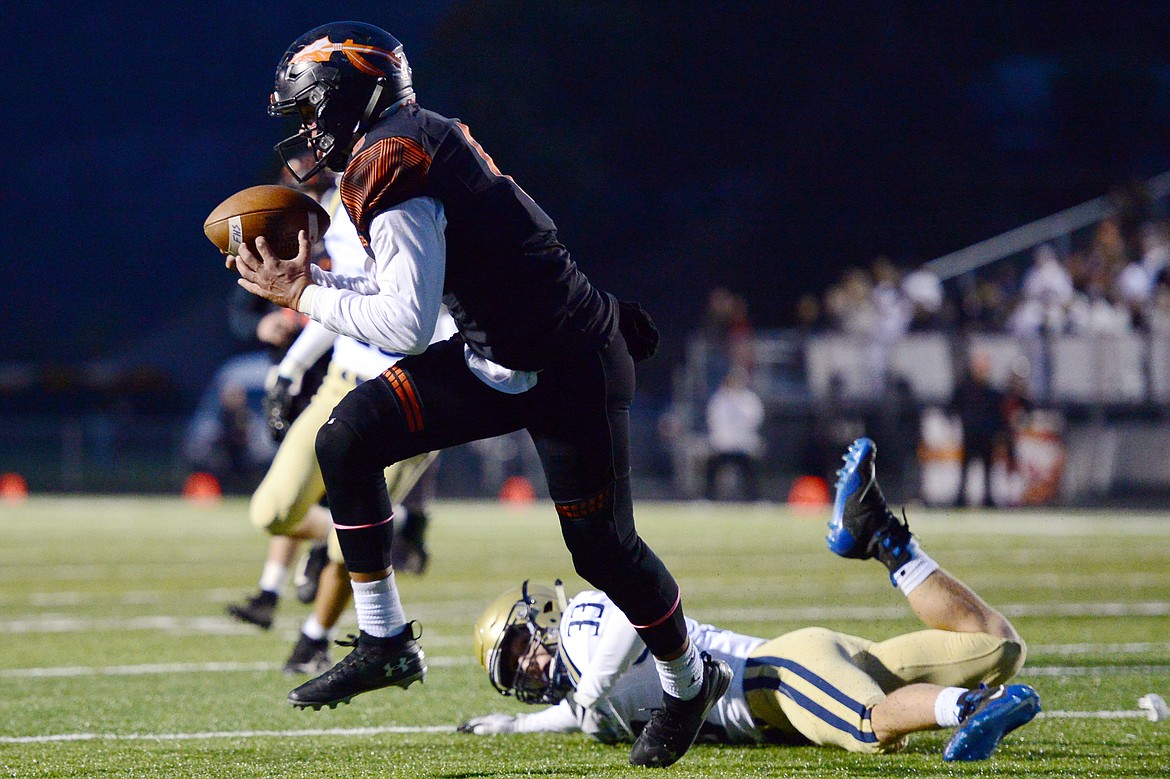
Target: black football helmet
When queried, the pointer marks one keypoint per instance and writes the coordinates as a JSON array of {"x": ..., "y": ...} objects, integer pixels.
[{"x": 337, "y": 79}]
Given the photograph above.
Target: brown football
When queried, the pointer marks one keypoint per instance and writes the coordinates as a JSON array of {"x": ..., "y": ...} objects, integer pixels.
[{"x": 275, "y": 212}]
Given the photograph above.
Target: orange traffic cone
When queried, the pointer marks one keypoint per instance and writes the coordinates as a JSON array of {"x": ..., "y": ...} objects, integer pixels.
[
  {"x": 202, "y": 487},
  {"x": 13, "y": 488},
  {"x": 517, "y": 490},
  {"x": 809, "y": 494}
]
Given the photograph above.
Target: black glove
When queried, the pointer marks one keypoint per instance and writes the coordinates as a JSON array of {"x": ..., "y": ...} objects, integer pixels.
[
  {"x": 638, "y": 329},
  {"x": 277, "y": 406}
]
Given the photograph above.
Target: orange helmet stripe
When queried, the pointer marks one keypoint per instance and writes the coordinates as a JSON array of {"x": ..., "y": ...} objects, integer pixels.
[{"x": 322, "y": 49}]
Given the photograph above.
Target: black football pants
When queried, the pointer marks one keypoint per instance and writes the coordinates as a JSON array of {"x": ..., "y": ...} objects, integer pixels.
[{"x": 578, "y": 417}]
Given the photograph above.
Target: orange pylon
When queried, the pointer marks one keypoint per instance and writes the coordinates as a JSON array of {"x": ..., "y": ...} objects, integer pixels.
[
  {"x": 202, "y": 487},
  {"x": 13, "y": 488}
]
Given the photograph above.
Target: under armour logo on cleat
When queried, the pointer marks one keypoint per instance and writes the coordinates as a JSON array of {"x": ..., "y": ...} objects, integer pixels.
[{"x": 400, "y": 666}]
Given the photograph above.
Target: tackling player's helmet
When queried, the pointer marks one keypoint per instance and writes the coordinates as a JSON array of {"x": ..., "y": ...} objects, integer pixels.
[
  {"x": 337, "y": 79},
  {"x": 510, "y": 629}
]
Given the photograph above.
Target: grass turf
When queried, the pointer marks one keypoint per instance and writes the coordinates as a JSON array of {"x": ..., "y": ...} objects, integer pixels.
[{"x": 117, "y": 659}]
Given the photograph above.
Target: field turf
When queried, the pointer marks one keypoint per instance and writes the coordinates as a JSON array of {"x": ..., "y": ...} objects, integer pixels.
[{"x": 117, "y": 660}]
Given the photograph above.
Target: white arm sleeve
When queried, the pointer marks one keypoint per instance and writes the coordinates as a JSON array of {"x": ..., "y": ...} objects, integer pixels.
[
  {"x": 313, "y": 342},
  {"x": 617, "y": 650},
  {"x": 554, "y": 719},
  {"x": 396, "y": 304}
]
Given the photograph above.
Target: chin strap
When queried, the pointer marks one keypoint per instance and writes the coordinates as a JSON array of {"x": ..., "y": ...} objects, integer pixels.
[
  {"x": 372, "y": 106},
  {"x": 562, "y": 601}
]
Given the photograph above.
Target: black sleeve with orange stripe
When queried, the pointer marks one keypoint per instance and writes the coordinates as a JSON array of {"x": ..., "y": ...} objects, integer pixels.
[{"x": 382, "y": 175}]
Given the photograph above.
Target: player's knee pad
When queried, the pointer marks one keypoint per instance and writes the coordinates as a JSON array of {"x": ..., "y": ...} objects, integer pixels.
[
  {"x": 603, "y": 543},
  {"x": 339, "y": 449}
]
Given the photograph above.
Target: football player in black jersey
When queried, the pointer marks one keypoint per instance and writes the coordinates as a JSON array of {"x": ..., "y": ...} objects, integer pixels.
[{"x": 538, "y": 348}]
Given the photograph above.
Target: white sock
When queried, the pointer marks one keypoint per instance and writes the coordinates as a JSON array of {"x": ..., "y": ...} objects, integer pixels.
[
  {"x": 379, "y": 609},
  {"x": 682, "y": 677},
  {"x": 946, "y": 707},
  {"x": 273, "y": 577},
  {"x": 315, "y": 630},
  {"x": 914, "y": 572}
]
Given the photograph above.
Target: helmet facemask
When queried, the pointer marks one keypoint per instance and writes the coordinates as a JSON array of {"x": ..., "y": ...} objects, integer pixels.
[
  {"x": 323, "y": 125},
  {"x": 529, "y": 635}
]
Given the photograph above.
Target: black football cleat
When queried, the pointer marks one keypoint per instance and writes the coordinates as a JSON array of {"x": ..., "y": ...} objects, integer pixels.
[
  {"x": 309, "y": 656},
  {"x": 374, "y": 663},
  {"x": 409, "y": 554},
  {"x": 308, "y": 576},
  {"x": 258, "y": 610},
  {"x": 673, "y": 728}
]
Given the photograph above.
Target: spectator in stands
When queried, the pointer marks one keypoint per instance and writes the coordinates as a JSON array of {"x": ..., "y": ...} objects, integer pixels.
[
  {"x": 1047, "y": 291},
  {"x": 1156, "y": 249},
  {"x": 889, "y": 311},
  {"x": 734, "y": 416},
  {"x": 981, "y": 411},
  {"x": 728, "y": 334},
  {"x": 986, "y": 299},
  {"x": 809, "y": 313},
  {"x": 1134, "y": 288},
  {"x": 1158, "y": 310},
  {"x": 1133, "y": 212},
  {"x": 1017, "y": 404},
  {"x": 924, "y": 291},
  {"x": 1048, "y": 286},
  {"x": 846, "y": 303},
  {"x": 1094, "y": 312}
]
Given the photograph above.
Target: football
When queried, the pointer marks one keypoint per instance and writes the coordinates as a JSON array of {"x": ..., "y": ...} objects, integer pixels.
[{"x": 275, "y": 212}]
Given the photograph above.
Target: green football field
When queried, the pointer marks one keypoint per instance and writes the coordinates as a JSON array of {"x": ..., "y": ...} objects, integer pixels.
[{"x": 117, "y": 660}]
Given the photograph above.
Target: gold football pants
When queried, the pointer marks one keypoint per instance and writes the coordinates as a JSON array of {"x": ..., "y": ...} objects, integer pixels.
[
  {"x": 819, "y": 686},
  {"x": 293, "y": 483}
]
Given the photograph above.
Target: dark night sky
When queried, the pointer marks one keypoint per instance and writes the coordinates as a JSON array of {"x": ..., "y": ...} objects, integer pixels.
[{"x": 678, "y": 145}]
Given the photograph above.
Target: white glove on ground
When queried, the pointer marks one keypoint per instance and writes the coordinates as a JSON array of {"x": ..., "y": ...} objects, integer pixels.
[{"x": 490, "y": 724}]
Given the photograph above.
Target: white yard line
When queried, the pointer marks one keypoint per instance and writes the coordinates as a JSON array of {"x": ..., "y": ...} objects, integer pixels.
[
  {"x": 391, "y": 730},
  {"x": 147, "y": 669},
  {"x": 1092, "y": 670},
  {"x": 816, "y": 614},
  {"x": 1135, "y": 714},
  {"x": 1130, "y": 648},
  {"x": 205, "y": 625},
  {"x": 227, "y": 734}
]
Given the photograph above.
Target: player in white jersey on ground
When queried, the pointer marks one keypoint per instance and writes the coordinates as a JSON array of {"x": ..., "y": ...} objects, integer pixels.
[{"x": 808, "y": 686}]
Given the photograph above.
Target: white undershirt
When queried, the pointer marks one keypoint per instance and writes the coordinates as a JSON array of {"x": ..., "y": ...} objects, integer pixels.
[{"x": 395, "y": 304}]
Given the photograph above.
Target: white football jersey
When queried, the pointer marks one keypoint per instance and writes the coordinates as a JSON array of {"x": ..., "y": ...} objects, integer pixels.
[{"x": 616, "y": 680}]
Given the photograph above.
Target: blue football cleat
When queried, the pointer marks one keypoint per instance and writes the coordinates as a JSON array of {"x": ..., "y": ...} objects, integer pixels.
[
  {"x": 862, "y": 525},
  {"x": 987, "y": 716}
]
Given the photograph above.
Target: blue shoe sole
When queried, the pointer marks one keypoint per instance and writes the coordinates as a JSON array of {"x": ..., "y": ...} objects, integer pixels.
[
  {"x": 980, "y": 735},
  {"x": 849, "y": 481}
]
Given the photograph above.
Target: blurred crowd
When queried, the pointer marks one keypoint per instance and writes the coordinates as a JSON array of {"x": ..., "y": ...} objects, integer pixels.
[
  {"x": 1115, "y": 281},
  {"x": 1111, "y": 278}
]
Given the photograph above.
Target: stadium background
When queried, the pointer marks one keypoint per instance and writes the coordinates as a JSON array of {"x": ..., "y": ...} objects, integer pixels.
[{"x": 761, "y": 147}]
